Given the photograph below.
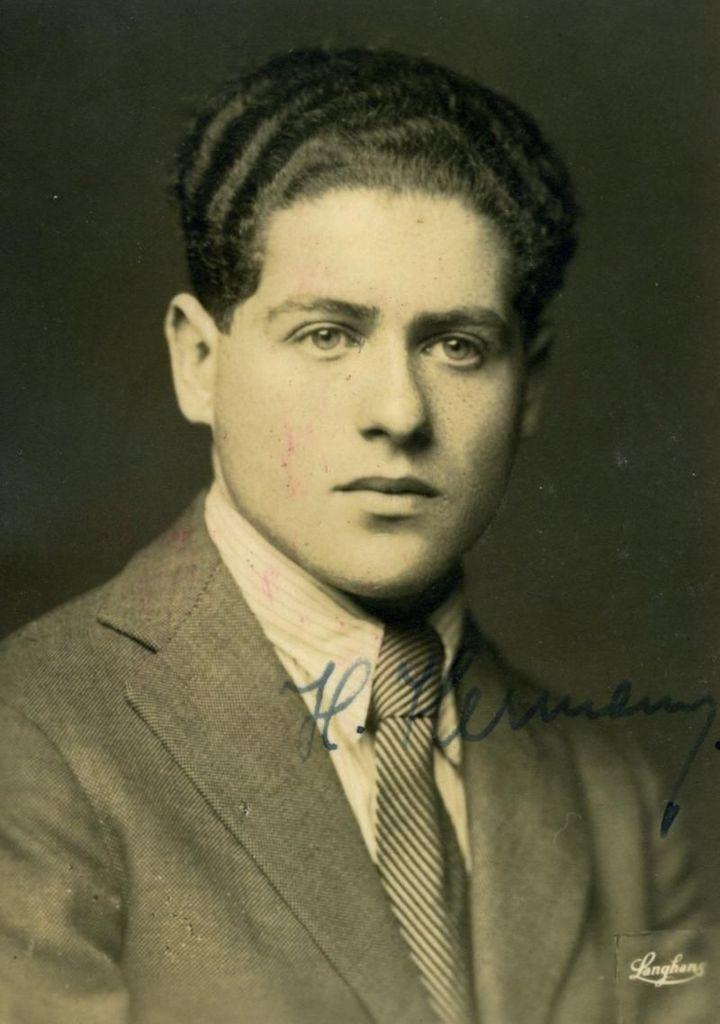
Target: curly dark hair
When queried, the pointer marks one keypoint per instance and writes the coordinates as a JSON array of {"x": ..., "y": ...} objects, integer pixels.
[{"x": 313, "y": 120}]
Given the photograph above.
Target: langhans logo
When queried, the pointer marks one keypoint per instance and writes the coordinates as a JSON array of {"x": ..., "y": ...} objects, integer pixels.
[{"x": 674, "y": 972}]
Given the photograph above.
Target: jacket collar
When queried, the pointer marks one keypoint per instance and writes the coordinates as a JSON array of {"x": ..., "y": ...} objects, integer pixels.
[
  {"x": 215, "y": 695},
  {"x": 156, "y": 590}
]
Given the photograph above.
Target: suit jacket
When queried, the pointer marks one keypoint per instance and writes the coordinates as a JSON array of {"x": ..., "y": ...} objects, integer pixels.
[{"x": 168, "y": 857}]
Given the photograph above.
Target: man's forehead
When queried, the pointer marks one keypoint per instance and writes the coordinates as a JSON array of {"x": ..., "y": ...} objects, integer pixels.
[{"x": 377, "y": 249}]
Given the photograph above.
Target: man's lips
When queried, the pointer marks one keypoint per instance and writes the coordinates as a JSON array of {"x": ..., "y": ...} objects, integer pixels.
[{"x": 391, "y": 485}]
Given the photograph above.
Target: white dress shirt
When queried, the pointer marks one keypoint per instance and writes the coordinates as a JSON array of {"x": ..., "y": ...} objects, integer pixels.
[{"x": 309, "y": 624}]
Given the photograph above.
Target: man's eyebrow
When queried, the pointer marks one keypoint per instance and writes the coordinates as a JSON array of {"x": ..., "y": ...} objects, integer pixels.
[
  {"x": 450, "y": 318},
  {"x": 441, "y": 320},
  {"x": 323, "y": 304}
]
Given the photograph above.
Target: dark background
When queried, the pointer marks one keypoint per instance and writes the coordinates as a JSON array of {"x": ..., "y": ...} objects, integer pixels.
[{"x": 604, "y": 562}]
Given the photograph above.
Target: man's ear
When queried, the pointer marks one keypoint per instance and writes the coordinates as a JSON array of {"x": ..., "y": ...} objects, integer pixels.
[
  {"x": 192, "y": 337},
  {"x": 537, "y": 351}
]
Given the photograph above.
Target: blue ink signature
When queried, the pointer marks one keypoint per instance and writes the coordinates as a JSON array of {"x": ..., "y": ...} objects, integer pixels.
[
  {"x": 545, "y": 708},
  {"x": 325, "y": 715}
]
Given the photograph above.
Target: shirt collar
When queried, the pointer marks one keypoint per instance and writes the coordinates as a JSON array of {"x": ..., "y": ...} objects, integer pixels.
[{"x": 310, "y": 624}]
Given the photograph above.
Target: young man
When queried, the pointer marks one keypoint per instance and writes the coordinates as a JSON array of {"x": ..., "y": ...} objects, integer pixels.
[{"x": 261, "y": 776}]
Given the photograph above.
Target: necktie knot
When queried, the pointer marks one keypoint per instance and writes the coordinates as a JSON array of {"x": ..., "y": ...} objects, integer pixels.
[{"x": 408, "y": 673}]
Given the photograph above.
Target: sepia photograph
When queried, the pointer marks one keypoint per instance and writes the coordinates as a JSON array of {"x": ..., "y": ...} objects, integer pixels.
[{"x": 361, "y": 503}]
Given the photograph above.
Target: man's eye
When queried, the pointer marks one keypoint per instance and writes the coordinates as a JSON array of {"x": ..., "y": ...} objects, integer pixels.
[
  {"x": 457, "y": 350},
  {"x": 327, "y": 339}
]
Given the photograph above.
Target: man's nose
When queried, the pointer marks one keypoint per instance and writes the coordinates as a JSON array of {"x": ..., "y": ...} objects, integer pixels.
[{"x": 392, "y": 401}]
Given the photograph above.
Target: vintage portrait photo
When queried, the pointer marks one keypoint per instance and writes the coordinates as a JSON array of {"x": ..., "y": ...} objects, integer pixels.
[{"x": 358, "y": 657}]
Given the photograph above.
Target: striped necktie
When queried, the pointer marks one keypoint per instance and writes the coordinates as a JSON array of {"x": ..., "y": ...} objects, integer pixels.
[{"x": 415, "y": 853}]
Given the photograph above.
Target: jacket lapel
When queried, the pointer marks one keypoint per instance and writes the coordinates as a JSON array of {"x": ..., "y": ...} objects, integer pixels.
[
  {"x": 530, "y": 886},
  {"x": 214, "y": 693}
]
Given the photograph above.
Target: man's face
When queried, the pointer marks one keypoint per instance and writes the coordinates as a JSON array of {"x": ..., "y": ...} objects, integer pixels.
[{"x": 367, "y": 396}]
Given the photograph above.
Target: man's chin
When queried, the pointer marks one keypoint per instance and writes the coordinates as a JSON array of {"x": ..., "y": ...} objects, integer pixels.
[
  {"x": 379, "y": 570},
  {"x": 399, "y": 589}
]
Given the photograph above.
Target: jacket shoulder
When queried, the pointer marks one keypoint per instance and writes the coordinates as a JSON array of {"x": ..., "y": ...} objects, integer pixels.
[{"x": 66, "y": 651}]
